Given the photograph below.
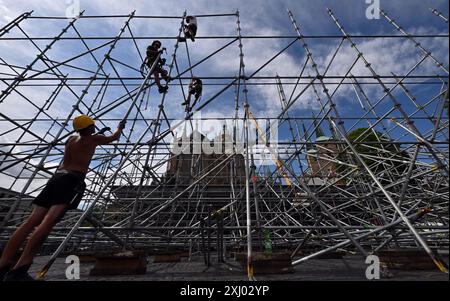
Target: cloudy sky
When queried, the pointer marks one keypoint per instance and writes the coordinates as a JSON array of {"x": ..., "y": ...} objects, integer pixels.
[{"x": 258, "y": 18}]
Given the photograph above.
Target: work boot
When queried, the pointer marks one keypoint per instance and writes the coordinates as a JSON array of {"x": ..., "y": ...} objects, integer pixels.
[
  {"x": 19, "y": 274},
  {"x": 4, "y": 270},
  {"x": 163, "y": 89},
  {"x": 181, "y": 39},
  {"x": 184, "y": 103}
]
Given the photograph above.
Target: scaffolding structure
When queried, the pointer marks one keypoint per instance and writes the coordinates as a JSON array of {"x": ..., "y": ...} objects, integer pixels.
[{"x": 324, "y": 192}]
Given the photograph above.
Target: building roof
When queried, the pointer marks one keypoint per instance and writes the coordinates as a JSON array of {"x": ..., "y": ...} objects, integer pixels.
[{"x": 323, "y": 138}]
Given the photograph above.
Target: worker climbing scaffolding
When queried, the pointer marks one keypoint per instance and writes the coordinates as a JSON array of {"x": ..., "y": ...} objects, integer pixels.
[
  {"x": 195, "y": 89},
  {"x": 189, "y": 29},
  {"x": 196, "y": 84},
  {"x": 62, "y": 192},
  {"x": 153, "y": 52}
]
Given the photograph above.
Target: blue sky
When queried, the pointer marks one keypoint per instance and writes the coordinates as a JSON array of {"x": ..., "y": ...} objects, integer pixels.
[{"x": 257, "y": 18}]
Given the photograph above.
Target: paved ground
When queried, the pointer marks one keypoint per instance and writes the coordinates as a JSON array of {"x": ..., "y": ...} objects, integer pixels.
[{"x": 350, "y": 268}]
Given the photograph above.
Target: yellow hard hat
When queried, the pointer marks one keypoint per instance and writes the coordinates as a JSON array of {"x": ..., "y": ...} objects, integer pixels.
[{"x": 82, "y": 122}]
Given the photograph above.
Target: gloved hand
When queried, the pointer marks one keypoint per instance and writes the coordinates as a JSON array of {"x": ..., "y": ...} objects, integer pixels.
[
  {"x": 104, "y": 130},
  {"x": 122, "y": 124}
]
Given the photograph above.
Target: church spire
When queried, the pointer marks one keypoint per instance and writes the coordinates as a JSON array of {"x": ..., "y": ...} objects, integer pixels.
[
  {"x": 308, "y": 145},
  {"x": 333, "y": 132},
  {"x": 319, "y": 131}
]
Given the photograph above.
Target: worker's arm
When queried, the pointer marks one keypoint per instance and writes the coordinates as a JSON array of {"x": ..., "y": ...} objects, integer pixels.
[
  {"x": 103, "y": 131},
  {"x": 100, "y": 139}
]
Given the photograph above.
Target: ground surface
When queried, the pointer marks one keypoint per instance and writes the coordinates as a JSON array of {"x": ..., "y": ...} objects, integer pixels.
[{"x": 350, "y": 268}]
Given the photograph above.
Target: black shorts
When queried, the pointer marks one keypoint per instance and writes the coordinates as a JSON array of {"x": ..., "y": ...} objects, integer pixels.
[
  {"x": 196, "y": 92},
  {"x": 65, "y": 187},
  {"x": 158, "y": 69},
  {"x": 191, "y": 30},
  {"x": 161, "y": 71}
]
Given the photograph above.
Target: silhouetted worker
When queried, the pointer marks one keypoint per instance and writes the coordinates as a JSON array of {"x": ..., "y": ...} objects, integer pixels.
[
  {"x": 190, "y": 29},
  {"x": 195, "y": 88},
  {"x": 152, "y": 53},
  {"x": 62, "y": 192}
]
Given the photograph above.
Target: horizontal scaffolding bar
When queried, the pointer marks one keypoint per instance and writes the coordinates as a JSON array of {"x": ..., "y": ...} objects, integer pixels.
[{"x": 229, "y": 37}]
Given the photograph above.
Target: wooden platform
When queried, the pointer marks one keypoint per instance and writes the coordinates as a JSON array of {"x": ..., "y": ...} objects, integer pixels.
[
  {"x": 125, "y": 263},
  {"x": 413, "y": 259},
  {"x": 169, "y": 257},
  {"x": 352, "y": 269},
  {"x": 275, "y": 263}
]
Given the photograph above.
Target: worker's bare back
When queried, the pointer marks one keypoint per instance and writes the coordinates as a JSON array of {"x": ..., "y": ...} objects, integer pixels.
[{"x": 80, "y": 150}]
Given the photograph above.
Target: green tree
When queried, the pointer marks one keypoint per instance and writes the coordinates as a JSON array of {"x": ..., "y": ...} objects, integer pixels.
[{"x": 373, "y": 148}]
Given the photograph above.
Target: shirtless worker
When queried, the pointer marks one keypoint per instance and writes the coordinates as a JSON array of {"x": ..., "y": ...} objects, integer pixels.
[{"x": 62, "y": 192}]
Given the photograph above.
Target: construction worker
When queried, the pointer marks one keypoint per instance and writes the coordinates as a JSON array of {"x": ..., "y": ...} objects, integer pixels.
[
  {"x": 190, "y": 29},
  {"x": 195, "y": 88},
  {"x": 152, "y": 53},
  {"x": 62, "y": 192}
]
